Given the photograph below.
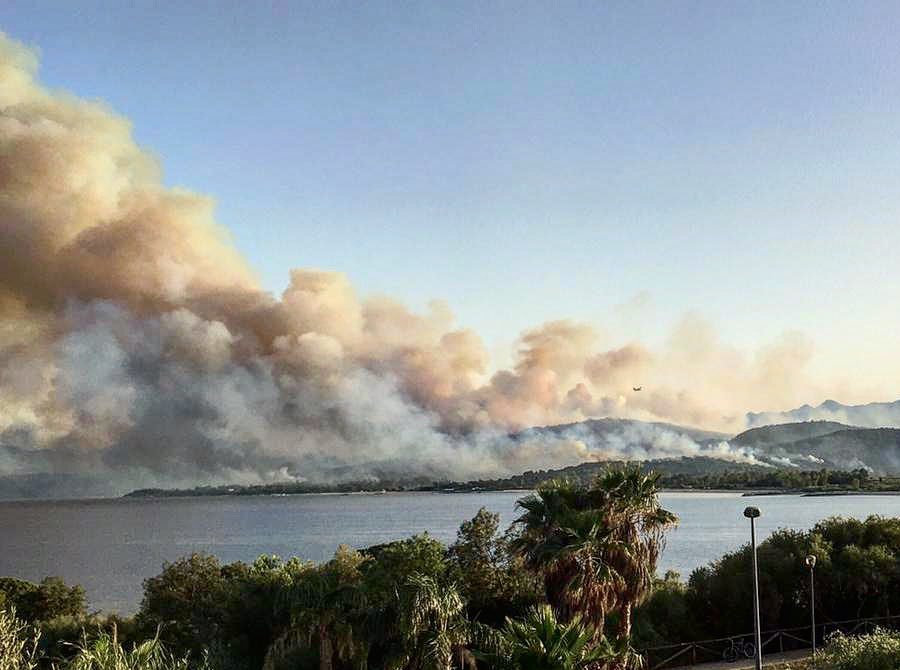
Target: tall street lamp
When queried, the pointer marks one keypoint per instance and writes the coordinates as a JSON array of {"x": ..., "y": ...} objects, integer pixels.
[
  {"x": 752, "y": 513},
  {"x": 811, "y": 564}
]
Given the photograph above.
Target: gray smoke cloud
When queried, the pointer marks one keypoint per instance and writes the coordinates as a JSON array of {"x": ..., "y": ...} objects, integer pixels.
[{"x": 137, "y": 347}]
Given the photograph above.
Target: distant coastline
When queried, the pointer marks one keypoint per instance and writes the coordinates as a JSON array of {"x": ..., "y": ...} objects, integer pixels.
[
  {"x": 823, "y": 494},
  {"x": 693, "y": 475},
  {"x": 190, "y": 493}
]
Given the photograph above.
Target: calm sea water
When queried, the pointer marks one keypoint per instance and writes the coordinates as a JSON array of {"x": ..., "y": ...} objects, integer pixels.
[{"x": 110, "y": 546}]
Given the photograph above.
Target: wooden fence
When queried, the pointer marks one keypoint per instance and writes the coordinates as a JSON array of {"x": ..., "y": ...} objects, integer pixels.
[{"x": 773, "y": 641}]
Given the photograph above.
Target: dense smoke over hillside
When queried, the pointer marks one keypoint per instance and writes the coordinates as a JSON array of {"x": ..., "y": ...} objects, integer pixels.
[{"x": 136, "y": 344}]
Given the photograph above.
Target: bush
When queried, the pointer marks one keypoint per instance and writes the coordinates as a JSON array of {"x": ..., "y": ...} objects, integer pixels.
[
  {"x": 187, "y": 604},
  {"x": 233, "y": 611},
  {"x": 666, "y": 615},
  {"x": 857, "y": 576},
  {"x": 39, "y": 602},
  {"x": 491, "y": 578},
  {"x": 21, "y": 648},
  {"x": 18, "y": 644},
  {"x": 106, "y": 653},
  {"x": 879, "y": 650},
  {"x": 61, "y": 636},
  {"x": 540, "y": 641}
]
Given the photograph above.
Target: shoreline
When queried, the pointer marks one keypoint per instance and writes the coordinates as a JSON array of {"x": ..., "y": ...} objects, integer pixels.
[
  {"x": 747, "y": 493},
  {"x": 818, "y": 494},
  {"x": 127, "y": 496}
]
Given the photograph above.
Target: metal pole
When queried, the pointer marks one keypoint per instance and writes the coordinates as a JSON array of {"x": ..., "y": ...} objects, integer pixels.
[
  {"x": 812, "y": 604},
  {"x": 811, "y": 563},
  {"x": 752, "y": 513}
]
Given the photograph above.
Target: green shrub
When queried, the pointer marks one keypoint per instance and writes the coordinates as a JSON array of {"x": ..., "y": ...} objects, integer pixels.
[
  {"x": 106, "y": 653},
  {"x": 493, "y": 581},
  {"x": 234, "y": 611},
  {"x": 18, "y": 644},
  {"x": 879, "y": 650},
  {"x": 40, "y": 602},
  {"x": 187, "y": 604},
  {"x": 21, "y": 648},
  {"x": 61, "y": 636},
  {"x": 540, "y": 641},
  {"x": 665, "y": 615}
]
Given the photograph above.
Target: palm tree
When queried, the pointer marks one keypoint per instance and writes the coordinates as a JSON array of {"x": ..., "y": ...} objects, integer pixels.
[
  {"x": 597, "y": 547},
  {"x": 539, "y": 641},
  {"x": 432, "y": 625},
  {"x": 563, "y": 537},
  {"x": 325, "y": 605},
  {"x": 638, "y": 525}
]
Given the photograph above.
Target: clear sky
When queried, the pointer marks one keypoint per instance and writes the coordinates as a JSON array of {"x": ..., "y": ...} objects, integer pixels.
[{"x": 531, "y": 161}]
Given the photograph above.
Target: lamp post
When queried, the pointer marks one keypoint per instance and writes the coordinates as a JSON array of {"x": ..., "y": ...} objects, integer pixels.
[
  {"x": 753, "y": 513},
  {"x": 811, "y": 564}
]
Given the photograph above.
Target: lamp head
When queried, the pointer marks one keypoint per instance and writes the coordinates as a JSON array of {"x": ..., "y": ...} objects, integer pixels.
[
  {"x": 752, "y": 512},
  {"x": 810, "y": 561}
]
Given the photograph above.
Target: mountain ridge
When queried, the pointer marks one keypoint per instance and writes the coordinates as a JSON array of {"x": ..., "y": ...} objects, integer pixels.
[{"x": 868, "y": 415}]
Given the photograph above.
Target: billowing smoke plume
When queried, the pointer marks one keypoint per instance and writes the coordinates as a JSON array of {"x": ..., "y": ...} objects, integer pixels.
[{"x": 137, "y": 345}]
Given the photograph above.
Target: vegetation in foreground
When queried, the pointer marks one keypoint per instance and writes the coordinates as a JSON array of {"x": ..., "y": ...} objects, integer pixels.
[
  {"x": 856, "y": 575},
  {"x": 878, "y": 650},
  {"x": 19, "y": 650},
  {"x": 571, "y": 584}
]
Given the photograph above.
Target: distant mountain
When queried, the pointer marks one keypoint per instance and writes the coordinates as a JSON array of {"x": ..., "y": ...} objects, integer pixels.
[
  {"x": 786, "y": 432},
  {"x": 871, "y": 415},
  {"x": 824, "y": 444},
  {"x": 805, "y": 445},
  {"x": 877, "y": 449}
]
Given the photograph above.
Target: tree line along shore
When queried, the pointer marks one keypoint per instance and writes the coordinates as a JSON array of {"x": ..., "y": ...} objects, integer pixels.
[{"x": 674, "y": 474}]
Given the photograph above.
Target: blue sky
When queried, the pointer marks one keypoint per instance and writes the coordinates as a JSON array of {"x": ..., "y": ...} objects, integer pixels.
[{"x": 530, "y": 161}]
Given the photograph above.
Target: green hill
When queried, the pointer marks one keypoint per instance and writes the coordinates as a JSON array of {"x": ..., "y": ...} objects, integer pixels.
[
  {"x": 786, "y": 432},
  {"x": 877, "y": 449}
]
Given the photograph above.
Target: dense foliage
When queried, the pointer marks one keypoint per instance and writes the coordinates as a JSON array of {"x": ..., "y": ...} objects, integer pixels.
[
  {"x": 595, "y": 546},
  {"x": 20, "y": 644},
  {"x": 493, "y": 580},
  {"x": 857, "y": 576},
  {"x": 540, "y": 641},
  {"x": 879, "y": 650},
  {"x": 696, "y": 474},
  {"x": 40, "y": 602}
]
